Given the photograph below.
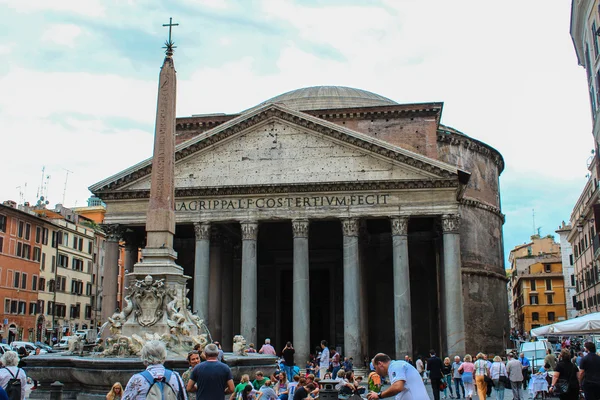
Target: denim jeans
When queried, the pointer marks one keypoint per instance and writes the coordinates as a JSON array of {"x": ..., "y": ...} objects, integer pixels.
[
  {"x": 499, "y": 388},
  {"x": 448, "y": 380},
  {"x": 289, "y": 372},
  {"x": 335, "y": 371},
  {"x": 458, "y": 382}
]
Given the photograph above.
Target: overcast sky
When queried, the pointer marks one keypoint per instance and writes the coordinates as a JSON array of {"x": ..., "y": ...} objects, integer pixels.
[{"x": 78, "y": 82}]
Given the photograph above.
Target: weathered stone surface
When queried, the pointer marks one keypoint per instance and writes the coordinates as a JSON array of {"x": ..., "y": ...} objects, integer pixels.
[
  {"x": 484, "y": 280},
  {"x": 277, "y": 164},
  {"x": 260, "y": 153}
]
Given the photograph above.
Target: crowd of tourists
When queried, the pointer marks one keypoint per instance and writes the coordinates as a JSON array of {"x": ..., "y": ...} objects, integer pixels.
[{"x": 573, "y": 375}]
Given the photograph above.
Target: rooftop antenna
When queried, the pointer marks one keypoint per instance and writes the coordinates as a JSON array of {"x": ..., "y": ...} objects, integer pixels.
[
  {"x": 20, "y": 194},
  {"x": 65, "y": 189},
  {"x": 45, "y": 188},
  {"x": 40, "y": 188}
]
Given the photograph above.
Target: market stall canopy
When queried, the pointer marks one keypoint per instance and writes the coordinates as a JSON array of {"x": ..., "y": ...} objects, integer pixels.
[{"x": 586, "y": 324}]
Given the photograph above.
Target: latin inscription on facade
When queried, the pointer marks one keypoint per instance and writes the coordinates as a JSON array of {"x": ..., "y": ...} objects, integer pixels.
[{"x": 282, "y": 202}]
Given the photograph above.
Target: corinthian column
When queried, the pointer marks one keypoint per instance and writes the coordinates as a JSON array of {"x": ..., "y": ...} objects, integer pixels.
[
  {"x": 453, "y": 296},
  {"x": 352, "y": 341},
  {"x": 249, "y": 281},
  {"x": 202, "y": 269},
  {"x": 110, "y": 283},
  {"x": 402, "y": 306},
  {"x": 214, "y": 291},
  {"x": 301, "y": 293}
]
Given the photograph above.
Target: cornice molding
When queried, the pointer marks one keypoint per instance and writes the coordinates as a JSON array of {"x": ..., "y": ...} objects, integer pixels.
[
  {"x": 467, "y": 202},
  {"x": 326, "y": 128},
  {"x": 354, "y": 186},
  {"x": 455, "y": 139}
]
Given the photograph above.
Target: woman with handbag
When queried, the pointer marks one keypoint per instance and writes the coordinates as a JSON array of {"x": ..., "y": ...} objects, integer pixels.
[
  {"x": 467, "y": 369},
  {"x": 499, "y": 376},
  {"x": 481, "y": 372},
  {"x": 447, "y": 379},
  {"x": 564, "y": 381}
]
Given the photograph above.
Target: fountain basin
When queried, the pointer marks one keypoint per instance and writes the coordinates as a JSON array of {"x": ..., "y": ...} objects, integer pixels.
[{"x": 91, "y": 377}]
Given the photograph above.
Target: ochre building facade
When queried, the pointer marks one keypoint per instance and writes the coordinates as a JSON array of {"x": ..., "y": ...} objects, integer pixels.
[{"x": 331, "y": 213}]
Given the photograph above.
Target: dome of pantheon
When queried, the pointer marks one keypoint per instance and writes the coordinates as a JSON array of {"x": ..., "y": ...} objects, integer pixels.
[{"x": 329, "y": 97}]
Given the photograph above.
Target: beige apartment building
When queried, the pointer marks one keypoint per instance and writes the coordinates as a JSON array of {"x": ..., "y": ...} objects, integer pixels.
[
  {"x": 521, "y": 258},
  {"x": 585, "y": 218},
  {"x": 66, "y": 276}
]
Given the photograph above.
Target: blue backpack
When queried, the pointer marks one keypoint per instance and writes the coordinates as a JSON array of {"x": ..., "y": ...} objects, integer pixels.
[{"x": 160, "y": 389}]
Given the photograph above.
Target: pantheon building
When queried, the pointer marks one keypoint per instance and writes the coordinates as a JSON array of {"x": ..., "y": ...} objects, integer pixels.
[{"x": 330, "y": 213}]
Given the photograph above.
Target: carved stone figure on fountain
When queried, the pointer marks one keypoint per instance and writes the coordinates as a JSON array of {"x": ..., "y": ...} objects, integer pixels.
[
  {"x": 239, "y": 346},
  {"x": 176, "y": 319},
  {"x": 118, "y": 318},
  {"x": 148, "y": 295}
]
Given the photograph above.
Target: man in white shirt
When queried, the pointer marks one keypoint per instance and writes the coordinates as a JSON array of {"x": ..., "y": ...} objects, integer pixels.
[
  {"x": 324, "y": 362},
  {"x": 406, "y": 382}
]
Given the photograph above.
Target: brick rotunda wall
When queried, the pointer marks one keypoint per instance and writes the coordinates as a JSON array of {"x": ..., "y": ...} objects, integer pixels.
[{"x": 482, "y": 254}]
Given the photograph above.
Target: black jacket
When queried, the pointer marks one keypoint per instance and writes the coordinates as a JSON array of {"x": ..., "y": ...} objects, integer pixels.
[{"x": 434, "y": 366}]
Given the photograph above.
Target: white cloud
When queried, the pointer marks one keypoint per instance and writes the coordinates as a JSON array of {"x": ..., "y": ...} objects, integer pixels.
[
  {"x": 92, "y": 8},
  {"x": 224, "y": 41},
  {"x": 6, "y": 48},
  {"x": 90, "y": 149},
  {"x": 511, "y": 81},
  {"x": 62, "y": 34},
  {"x": 46, "y": 93}
]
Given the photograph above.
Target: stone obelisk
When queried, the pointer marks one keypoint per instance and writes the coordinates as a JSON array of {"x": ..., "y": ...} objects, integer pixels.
[
  {"x": 160, "y": 218},
  {"x": 157, "y": 284}
]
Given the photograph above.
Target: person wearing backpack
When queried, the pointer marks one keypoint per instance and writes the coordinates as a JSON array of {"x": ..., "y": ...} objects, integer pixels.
[
  {"x": 156, "y": 382},
  {"x": 12, "y": 378}
]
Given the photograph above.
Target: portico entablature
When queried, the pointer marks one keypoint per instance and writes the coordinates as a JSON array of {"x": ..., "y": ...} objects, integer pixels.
[{"x": 426, "y": 201}]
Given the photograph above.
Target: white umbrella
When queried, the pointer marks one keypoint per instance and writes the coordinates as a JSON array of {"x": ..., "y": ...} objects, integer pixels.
[{"x": 589, "y": 323}]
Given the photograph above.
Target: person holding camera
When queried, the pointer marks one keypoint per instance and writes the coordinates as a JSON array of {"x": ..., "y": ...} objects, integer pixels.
[{"x": 288, "y": 360}]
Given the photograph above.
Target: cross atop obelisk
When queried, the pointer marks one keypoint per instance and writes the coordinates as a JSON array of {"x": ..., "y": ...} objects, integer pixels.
[{"x": 169, "y": 44}]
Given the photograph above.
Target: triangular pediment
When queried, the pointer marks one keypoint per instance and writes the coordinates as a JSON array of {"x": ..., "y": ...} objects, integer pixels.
[{"x": 278, "y": 146}]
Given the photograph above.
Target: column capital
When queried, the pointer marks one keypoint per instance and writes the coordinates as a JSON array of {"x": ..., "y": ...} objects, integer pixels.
[
  {"x": 249, "y": 230},
  {"x": 114, "y": 232},
  {"x": 350, "y": 226},
  {"x": 450, "y": 223},
  {"x": 300, "y": 228},
  {"x": 399, "y": 226},
  {"x": 202, "y": 230}
]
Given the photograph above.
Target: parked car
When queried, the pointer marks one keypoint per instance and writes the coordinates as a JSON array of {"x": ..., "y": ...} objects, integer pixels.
[
  {"x": 29, "y": 346},
  {"x": 4, "y": 348},
  {"x": 63, "y": 343},
  {"x": 44, "y": 346},
  {"x": 87, "y": 335}
]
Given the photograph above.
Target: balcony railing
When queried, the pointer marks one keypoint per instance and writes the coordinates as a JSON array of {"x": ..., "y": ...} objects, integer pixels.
[{"x": 596, "y": 244}]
